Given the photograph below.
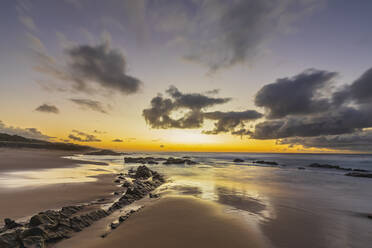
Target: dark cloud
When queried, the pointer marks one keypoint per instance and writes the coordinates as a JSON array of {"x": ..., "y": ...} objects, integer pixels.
[
  {"x": 340, "y": 121},
  {"x": 194, "y": 101},
  {"x": 159, "y": 115},
  {"x": 90, "y": 104},
  {"x": 90, "y": 69},
  {"x": 359, "y": 141},
  {"x": 117, "y": 140},
  {"x": 46, "y": 108},
  {"x": 102, "y": 65},
  {"x": 296, "y": 95},
  {"x": 229, "y": 121},
  {"x": 31, "y": 133},
  {"x": 83, "y": 137},
  {"x": 187, "y": 111},
  {"x": 360, "y": 91},
  {"x": 338, "y": 125}
]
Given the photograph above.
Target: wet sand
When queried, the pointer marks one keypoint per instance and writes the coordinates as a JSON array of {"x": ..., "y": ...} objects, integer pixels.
[
  {"x": 25, "y": 201},
  {"x": 29, "y": 159},
  {"x": 174, "y": 222}
]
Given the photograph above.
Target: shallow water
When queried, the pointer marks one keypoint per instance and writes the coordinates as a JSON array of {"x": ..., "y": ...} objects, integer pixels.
[{"x": 289, "y": 207}]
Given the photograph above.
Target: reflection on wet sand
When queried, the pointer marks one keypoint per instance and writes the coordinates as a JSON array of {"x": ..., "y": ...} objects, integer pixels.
[{"x": 288, "y": 207}]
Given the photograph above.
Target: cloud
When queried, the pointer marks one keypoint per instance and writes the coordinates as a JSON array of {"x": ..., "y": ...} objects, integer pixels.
[
  {"x": 340, "y": 124},
  {"x": 28, "y": 22},
  {"x": 229, "y": 121},
  {"x": 31, "y": 133},
  {"x": 97, "y": 69},
  {"x": 187, "y": 111},
  {"x": 46, "y": 108},
  {"x": 102, "y": 65},
  {"x": 360, "y": 91},
  {"x": 117, "y": 140},
  {"x": 238, "y": 31},
  {"x": 359, "y": 141},
  {"x": 90, "y": 104},
  {"x": 296, "y": 95},
  {"x": 341, "y": 121},
  {"x": 83, "y": 137},
  {"x": 159, "y": 115}
]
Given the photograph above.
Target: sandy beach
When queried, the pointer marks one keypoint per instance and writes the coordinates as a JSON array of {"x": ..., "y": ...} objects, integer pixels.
[
  {"x": 174, "y": 222},
  {"x": 200, "y": 205},
  {"x": 50, "y": 196}
]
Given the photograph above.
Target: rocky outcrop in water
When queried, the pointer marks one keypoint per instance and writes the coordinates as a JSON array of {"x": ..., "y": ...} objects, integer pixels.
[
  {"x": 152, "y": 160},
  {"x": 104, "y": 152},
  {"x": 172, "y": 160},
  {"x": 51, "y": 226},
  {"x": 359, "y": 174},
  {"x": 142, "y": 160},
  {"x": 238, "y": 160},
  {"x": 265, "y": 162},
  {"x": 336, "y": 167}
]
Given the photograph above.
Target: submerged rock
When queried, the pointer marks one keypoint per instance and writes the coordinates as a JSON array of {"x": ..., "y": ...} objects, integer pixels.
[
  {"x": 104, "y": 152},
  {"x": 238, "y": 160},
  {"x": 172, "y": 160},
  {"x": 265, "y": 162},
  {"x": 359, "y": 174}
]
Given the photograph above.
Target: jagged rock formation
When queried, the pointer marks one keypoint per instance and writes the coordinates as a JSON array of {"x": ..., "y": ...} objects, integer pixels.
[{"x": 51, "y": 226}]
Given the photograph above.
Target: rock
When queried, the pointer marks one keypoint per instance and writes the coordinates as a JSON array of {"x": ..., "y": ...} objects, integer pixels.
[
  {"x": 117, "y": 181},
  {"x": 123, "y": 218},
  {"x": 154, "y": 195},
  {"x": 39, "y": 219},
  {"x": 369, "y": 216},
  {"x": 360, "y": 170},
  {"x": 34, "y": 241},
  {"x": 301, "y": 168},
  {"x": 238, "y": 160},
  {"x": 104, "y": 152},
  {"x": 265, "y": 162},
  {"x": 328, "y": 166},
  {"x": 114, "y": 225},
  {"x": 10, "y": 224},
  {"x": 172, "y": 160},
  {"x": 126, "y": 184},
  {"x": 143, "y": 172},
  {"x": 359, "y": 174}
]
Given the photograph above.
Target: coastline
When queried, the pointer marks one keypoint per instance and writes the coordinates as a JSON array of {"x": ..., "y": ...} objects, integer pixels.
[{"x": 174, "y": 222}]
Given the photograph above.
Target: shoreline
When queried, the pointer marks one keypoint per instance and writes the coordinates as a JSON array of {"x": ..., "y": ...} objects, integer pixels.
[{"x": 51, "y": 226}]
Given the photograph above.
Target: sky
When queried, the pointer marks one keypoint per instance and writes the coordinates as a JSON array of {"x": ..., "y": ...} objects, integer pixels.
[{"x": 172, "y": 75}]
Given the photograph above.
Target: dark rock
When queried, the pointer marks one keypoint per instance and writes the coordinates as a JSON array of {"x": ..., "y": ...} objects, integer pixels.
[
  {"x": 143, "y": 172},
  {"x": 117, "y": 181},
  {"x": 359, "y": 174},
  {"x": 301, "y": 168},
  {"x": 154, "y": 195},
  {"x": 39, "y": 219},
  {"x": 172, "y": 160},
  {"x": 10, "y": 224},
  {"x": 369, "y": 216},
  {"x": 326, "y": 166},
  {"x": 360, "y": 170},
  {"x": 104, "y": 152},
  {"x": 265, "y": 162},
  {"x": 123, "y": 218},
  {"x": 126, "y": 184},
  {"x": 238, "y": 160},
  {"x": 34, "y": 241},
  {"x": 114, "y": 225}
]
